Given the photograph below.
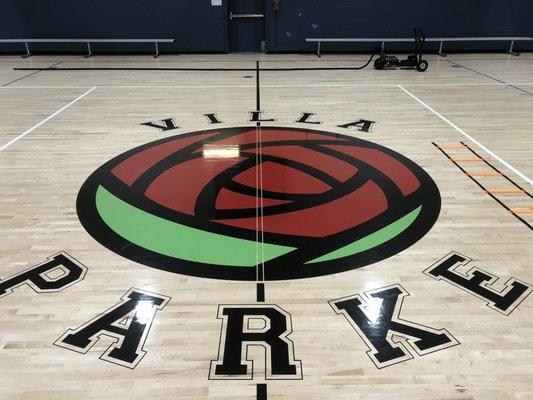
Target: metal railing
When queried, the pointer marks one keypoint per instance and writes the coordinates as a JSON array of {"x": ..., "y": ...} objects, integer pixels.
[
  {"x": 88, "y": 42},
  {"x": 441, "y": 41}
]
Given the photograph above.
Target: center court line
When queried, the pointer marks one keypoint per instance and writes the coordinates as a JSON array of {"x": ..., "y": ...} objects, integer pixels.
[
  {"x": 46, "y": 119},
  {"x": 494, "y": 155}
]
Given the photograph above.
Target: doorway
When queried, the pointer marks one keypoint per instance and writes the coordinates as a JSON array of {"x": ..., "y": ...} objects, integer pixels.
[{"x": 246, "y": 26}]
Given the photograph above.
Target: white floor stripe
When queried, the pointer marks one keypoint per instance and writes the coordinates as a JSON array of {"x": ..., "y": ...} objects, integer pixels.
[
  {"x": 46, "y": 119},
  {"x": 466, "y": 135}
]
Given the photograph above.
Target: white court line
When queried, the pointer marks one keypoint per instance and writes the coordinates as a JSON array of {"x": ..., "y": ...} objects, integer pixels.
[
  {"x": 466, "y": 135},
  {"x": 46, "y": 119}
]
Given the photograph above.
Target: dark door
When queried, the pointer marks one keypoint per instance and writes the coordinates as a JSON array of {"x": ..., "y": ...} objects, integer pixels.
[{"x": 246, "y": 25}]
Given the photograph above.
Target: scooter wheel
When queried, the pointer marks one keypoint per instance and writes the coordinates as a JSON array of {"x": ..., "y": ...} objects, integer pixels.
[
  {"x": 422, "y": 65},
  {"x": 379, "y": 63}
]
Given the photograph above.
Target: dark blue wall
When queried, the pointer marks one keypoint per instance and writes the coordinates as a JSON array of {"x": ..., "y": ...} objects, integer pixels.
[
  {"x": 195, "y": 24},
  {"x": 198, "y": 26},
  {"x": 395, "y": 18}
]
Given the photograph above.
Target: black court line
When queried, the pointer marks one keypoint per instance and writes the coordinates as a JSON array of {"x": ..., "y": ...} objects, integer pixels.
[
  {"x": 33, "y": 73},
  {"x": 490, "y": 77},
  {"x": 260, "y": 292},
  {"x": 490, "y": 59},
  {"x": 497, "y": 170},
  {"x": 314, "y": 60},
  {"x": 199, "y": 69},
  {"x": 132, "y": 69},
  {"x": 257, "y": 88},
  {"x": 483, "y": 187},
  {"x": 261, "y": 391},
  {"x": 185, "y": 61},
  {"x": 260, "y": 267},
  {"x": 190, "y": 69},
  {"x": 260, "y": 287}
]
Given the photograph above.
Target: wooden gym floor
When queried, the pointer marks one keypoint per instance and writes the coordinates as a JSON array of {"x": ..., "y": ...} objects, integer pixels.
[{"x": 465, "y": 124}]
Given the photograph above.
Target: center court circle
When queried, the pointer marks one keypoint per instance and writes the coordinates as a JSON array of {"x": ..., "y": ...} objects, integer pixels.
[{"x": 192, "y": 204}]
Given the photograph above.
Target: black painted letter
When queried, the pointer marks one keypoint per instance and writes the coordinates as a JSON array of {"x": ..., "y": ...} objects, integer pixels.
[
  {"x": 304, "y": 118},
  {"x": 255, "y": 116},
  {"x": 238, "y": 334},
  {"x": 213, "y": 118},
  {"x": 59, "y": 272},
  {"x": 362, "y": 124},
  {"x": 375, "y": 316},
  {"x": 128, "y": 322},
  {"x": 168, "y": 124},
  {"x": 478, "y": 283}
]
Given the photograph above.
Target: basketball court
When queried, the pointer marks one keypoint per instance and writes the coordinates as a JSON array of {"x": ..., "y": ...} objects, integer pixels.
[{"x": 247, "y": 226}]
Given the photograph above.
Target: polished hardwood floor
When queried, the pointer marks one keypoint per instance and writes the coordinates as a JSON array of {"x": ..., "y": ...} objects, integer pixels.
[{"x": 467, "y": 122}]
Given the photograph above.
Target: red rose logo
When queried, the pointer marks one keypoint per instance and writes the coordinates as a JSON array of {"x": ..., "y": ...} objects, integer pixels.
[{"x": 199, "y": 203}]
